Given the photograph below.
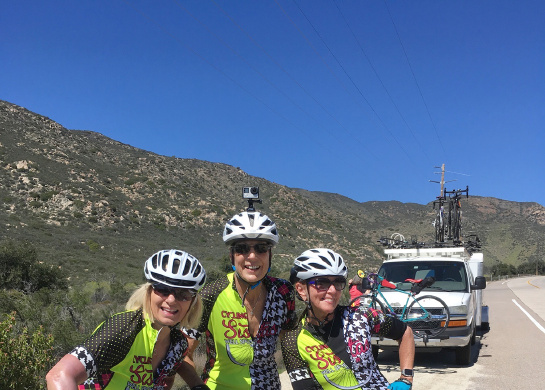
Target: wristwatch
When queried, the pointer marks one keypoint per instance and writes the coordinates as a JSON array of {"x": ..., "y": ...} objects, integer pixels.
[{"x": 407, "y": 372}]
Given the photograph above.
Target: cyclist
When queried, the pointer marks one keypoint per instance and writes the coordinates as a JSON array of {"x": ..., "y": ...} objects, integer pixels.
[
  {"x": 142, "y": 347},
  {"x": 331, "y": 347},
  {"x": 245, "y": 311},
  {"x": 358, "y": 286}
]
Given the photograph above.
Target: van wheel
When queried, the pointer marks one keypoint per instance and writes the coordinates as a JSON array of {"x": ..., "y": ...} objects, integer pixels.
[
  {"x": 463, "y": 355},
  {"x": 374, "y": 349}
]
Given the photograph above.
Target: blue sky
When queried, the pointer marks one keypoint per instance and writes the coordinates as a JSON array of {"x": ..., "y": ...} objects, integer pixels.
[{"x": 357, "y": 97}]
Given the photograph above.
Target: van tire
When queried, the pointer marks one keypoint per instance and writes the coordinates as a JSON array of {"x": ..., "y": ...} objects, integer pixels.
[{"x": 463, "y": 355}]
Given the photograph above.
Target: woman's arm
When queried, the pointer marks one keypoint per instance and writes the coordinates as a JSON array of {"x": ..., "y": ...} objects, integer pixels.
[
  {"x": 67, "y": 374},
  {"x": 406, "y": 351},
  {"x": 187, "y": 370}
]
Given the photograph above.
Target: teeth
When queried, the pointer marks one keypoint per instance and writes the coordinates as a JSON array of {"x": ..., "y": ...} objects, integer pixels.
[{"x": 252, "y": 267}]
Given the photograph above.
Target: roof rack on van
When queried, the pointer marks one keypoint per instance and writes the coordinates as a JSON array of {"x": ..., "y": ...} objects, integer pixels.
[
  {"x": 452, "y": 252},
  {"x": 398, "y": 241}
]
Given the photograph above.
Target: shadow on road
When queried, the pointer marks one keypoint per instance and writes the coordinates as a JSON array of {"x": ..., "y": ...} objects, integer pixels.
[{"x": 435, "y": 361}]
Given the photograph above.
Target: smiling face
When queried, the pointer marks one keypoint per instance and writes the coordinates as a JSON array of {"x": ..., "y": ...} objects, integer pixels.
[
  {"x": 166, "y": 309},
  {"x": 251, "y": 259},
  {"x": 324, "y": 301}
]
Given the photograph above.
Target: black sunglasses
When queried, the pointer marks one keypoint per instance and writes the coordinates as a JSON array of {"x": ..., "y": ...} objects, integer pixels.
[
  {"x": 323, "y": 284},
  {"x": 243, "y": 249},
  {"x": 181, "y": 294}
]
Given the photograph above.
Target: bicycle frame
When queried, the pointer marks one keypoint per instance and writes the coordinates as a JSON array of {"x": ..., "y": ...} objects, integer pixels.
[{"x": 376, "y": 293}]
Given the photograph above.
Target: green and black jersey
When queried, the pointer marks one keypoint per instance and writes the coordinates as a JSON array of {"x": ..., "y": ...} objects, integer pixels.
[
  {"x": 235, "y": 359},
  {"x": 339, "y": 354},
  {"x": 117, "y": 356}
]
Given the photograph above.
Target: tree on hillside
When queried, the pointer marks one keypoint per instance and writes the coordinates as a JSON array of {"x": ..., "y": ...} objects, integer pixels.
[{"x": 20, "y": 269}]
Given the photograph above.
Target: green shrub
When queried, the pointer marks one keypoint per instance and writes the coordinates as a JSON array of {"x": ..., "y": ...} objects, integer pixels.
[{"x": 25, "y": 356}]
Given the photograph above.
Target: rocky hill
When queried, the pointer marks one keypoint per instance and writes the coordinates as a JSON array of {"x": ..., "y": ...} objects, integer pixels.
[{"x": 98, "y": 208}]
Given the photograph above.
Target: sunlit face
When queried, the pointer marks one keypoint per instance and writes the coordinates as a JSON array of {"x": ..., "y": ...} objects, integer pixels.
[
  {"x": 251, "y": 259},
  {"x": 166, "y": 309},
  {"x": 324, "y": 300}
]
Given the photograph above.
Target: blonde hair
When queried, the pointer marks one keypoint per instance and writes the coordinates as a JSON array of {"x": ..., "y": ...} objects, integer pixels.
[{"x": 141, "y": 299}]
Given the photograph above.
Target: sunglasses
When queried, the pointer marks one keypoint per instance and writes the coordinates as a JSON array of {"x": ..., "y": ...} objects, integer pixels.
[
  {"x": 181, "y": 294},
  {"x": 244, "y": 249},
  {"x": 323, "y": 284}
]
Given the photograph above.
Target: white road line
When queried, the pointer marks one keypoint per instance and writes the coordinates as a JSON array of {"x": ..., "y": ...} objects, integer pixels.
[{"x": 530, "y": 317}]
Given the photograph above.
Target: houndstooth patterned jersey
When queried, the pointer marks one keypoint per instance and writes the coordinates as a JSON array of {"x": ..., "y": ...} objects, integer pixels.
[
  {"x": 235, "y": 360},
  {"x": 341, "y": 356}
]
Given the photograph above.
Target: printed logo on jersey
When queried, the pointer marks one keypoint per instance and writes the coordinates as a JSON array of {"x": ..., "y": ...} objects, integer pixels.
[
  {"x": 357, "y": 349},
  {"x": 142, "y": 373},
  {"x": 333, "y": 369},
  {"x": 238, "y": 344}
]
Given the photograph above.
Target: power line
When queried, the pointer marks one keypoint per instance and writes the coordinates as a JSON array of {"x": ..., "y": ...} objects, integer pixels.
[
  {"x": 340, "y": 65},
  {"x": 294, "y": 79},
  {"x": 189, "y": 48},
  {"x": 380, "y": 80},
  {"x": 414, "y": 76}
]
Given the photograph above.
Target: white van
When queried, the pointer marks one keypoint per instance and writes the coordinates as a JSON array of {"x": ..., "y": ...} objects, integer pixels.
[{"x": 458, "y": 283}]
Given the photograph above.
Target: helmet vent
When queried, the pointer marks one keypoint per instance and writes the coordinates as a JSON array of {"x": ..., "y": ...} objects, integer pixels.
[
  {"x": 326, "y": 260},
  {"x": 164, "y": 262},
  {"x": 175, "y": 266},
  {"x": 186, "y": 268}
]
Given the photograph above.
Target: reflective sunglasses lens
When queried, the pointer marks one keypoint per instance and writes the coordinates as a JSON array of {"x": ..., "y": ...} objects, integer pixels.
[
  {"x": 184, "y": 295},
  {"x": 339, "y": 284},
  {"x": 181, "y": 294},
  {"x": 162, "y": 290},
  {"x": 324, "y": 284},
  {"x": 242, "y": 249},
  {"x": 261, "y": 248}
]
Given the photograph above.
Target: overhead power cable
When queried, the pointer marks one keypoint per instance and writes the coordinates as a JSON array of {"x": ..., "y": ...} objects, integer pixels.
[
  {"x": 344, "y": 71},
  {"x": 189, "y": 48},
  {"x": 257, "y": 71},
  {"x": 414, "y": 76},
  {"x": 368, "y": 151},
  {"x": 380, "y": 79}
]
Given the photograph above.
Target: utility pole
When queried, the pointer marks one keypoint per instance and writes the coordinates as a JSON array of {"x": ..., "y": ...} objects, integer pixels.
[
  {"x": 442, "y": 179},
  {"x": 442, "y": 182}
]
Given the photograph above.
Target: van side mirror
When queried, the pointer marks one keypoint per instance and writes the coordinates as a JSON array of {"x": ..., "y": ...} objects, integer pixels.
[{"x": 480, "y": 283}]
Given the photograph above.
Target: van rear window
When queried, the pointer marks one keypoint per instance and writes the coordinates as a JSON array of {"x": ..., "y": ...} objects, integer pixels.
[{"x": 449, "y": 276}]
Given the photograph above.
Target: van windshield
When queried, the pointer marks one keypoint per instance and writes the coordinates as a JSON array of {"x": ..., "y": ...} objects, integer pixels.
[{"x": 449, "y": 275}]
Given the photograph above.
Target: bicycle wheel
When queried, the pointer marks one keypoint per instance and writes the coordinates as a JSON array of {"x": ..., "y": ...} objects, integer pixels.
[
  {"x": 428, "y": 316},
  {"x": 367, "y": 301},
  {"x": 379, "y": 305}
]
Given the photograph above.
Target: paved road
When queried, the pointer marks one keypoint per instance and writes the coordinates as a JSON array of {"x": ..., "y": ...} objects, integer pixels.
[{"x": 510, "y": 356}]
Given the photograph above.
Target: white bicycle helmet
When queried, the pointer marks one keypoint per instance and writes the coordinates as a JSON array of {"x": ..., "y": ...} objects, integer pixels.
[
  {"x": 175, "y": 268},
  {"x": 250, "y": 225},
  {"x": 318, "y": 262}
]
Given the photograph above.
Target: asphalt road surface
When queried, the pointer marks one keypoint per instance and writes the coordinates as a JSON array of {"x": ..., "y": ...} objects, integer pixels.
[{"x": 511, "y": 355}]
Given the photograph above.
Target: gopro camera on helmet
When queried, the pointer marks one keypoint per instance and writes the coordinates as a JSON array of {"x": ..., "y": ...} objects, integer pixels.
[{"x": 251, "y": 194}]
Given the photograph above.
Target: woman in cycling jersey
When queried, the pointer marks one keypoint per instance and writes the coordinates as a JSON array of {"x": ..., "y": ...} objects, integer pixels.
[
  {"x": 331, "y": 347},
  {"x": 142, "y": 347},
  {"x": 245, "y": 311}
]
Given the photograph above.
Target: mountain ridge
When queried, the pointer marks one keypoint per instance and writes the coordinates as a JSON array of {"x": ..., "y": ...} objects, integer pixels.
[{"x": 93, "y": 203}]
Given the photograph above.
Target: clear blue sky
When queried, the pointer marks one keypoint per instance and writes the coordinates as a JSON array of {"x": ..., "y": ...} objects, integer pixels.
[{"x": 357, "y": 97}]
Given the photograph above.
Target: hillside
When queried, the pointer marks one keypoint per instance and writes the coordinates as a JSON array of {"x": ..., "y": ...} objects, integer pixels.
[{"x": 97, "y": 207}]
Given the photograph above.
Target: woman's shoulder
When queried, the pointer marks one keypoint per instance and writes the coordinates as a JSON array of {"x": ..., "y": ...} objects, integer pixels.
[
  {"x": 212, "y": 289},
  {"x": 282, "y": 286}
]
